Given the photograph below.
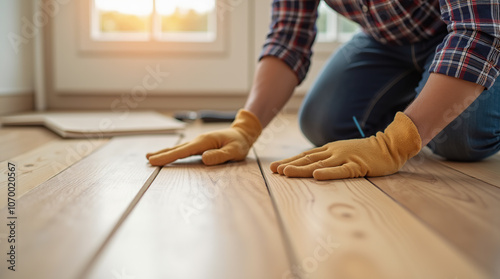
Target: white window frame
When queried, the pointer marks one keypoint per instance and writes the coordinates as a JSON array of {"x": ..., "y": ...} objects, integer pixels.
[{"x": 155, "y": 42}]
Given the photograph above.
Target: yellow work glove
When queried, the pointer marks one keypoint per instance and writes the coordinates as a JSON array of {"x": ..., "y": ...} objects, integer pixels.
[
  {"x": 382, "y": 154},
  {"x": 215, "y": 147}
]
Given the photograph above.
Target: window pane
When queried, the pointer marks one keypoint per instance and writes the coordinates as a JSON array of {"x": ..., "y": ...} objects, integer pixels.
[
  {"x": 333, "y": 27},
  {"x": 347, "y": 29},
  {"x": 348, "y": 26},
  {"x": 187, "y": 19},
  {"x": 123, "y": 16},
  {"x": 321, "y": 22},
  {"x": 326, "y": 23}
]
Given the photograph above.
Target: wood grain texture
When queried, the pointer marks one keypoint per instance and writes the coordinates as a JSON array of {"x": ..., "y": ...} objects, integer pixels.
[
  {"x": 199, "y": 222},
  {"x": 64, "y": 222},
  {"x": 487, "y": 170},
  {"x": 45, "y": 162},
  {"x": 349, "y": 228},
  {"x": 18, "y": 140},
  {"x": 464, "y": 210}
]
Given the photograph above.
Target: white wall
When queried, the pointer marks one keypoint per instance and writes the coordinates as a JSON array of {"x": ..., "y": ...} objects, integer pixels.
[
  {"x": 80, "y": 72},
  {"x": 87, "y": 73},
  {"x": 82, "y": 79},
  {"x": 16, "y": 60}
]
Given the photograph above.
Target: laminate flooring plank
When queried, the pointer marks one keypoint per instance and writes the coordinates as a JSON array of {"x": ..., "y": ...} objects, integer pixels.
[
  {"x": 349, "y": 229},
  {"x": 42, "y": 163},
  {"x": 199, "y": 222},
  {"x": 463, "y": 209},
  {"x": 64, "y": 222},
  {"x": 15, "y": 141},
  {"x": 487, "y": 170}
]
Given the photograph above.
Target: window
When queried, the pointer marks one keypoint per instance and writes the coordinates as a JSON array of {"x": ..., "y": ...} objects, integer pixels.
[
  {"x": 144, "y": 25},
  {"x": 333, "y": 27},
  {"x": 162, "y": 20}
]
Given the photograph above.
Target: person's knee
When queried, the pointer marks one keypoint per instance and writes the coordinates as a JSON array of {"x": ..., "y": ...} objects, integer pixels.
[
  {"x": 475, "y": 134},
  {"x": 320, "y": 128},
  {"x": 315, "y": 130},
  {"x": 464, "y": 148},
  {"x": 311, "y": 124}
]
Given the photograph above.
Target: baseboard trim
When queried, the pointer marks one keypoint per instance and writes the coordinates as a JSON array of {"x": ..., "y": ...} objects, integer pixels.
[
  {"x": 170, "y": 103},
  {"x": 12, "y": 103}
]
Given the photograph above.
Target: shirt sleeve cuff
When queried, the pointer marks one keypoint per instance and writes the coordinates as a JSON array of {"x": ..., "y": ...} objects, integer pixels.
[{"x": 468, "y": 58}]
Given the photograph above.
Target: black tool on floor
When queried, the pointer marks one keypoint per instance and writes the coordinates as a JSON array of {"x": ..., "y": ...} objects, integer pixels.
[{"x": 207, "y": 116}]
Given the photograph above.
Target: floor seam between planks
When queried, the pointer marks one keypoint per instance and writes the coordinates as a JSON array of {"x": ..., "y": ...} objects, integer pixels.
[
  {"x": 87, "y": 267},
  {"x": 287, "y": 243},
  {"x": 464, "y": 173},
  {"x": 93, "y": 260},
  {"x": 31, "y": 178},
  {"x": 471, "y": 260}
]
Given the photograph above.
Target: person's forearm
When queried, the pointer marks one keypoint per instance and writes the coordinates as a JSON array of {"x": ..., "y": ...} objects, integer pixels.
[
  {"x": 273, "y": 85},
  {"x": 442, "y": 100}
]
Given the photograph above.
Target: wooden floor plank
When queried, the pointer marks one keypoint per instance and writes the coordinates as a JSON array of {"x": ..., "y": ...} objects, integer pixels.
[
  {"x": 487, "y": 170},
  {"x": 15, "y": 141},
  {"x": 464, "y": 210},
  {"x": 199, "y": 222},
  {"x": 44, "y": 162},
  {"x": 349, "y": 228},
  {"x": 64, "y": 222}
]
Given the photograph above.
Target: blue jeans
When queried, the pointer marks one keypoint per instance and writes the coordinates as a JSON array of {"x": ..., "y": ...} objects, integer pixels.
[{"x": 372, "y": 82}]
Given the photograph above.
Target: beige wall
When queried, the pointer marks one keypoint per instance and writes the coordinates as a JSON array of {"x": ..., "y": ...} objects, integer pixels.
[
  {"x": 79, "y": 79},
  {"x": 89, "y": 79},
  {"x": 16, "y": 57}
]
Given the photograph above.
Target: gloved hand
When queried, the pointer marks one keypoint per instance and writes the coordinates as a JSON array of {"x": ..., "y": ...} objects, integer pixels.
[
  {"x": 216, "y": 147},
  {"x": 382, "y": 154}
]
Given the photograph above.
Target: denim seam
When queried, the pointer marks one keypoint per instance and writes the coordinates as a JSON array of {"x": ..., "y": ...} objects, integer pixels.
[
  {"x": 379, "y": 95},
  {"x": 414, "y": 59}
]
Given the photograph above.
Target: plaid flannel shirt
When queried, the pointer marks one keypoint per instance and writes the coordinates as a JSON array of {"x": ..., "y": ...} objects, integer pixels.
[{"x": 470, "y": 51}]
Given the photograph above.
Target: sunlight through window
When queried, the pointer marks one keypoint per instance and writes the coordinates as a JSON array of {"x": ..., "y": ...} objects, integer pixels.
[
  {"x": 171, "y": 20},
  {"x": 117, "y": 16}
]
